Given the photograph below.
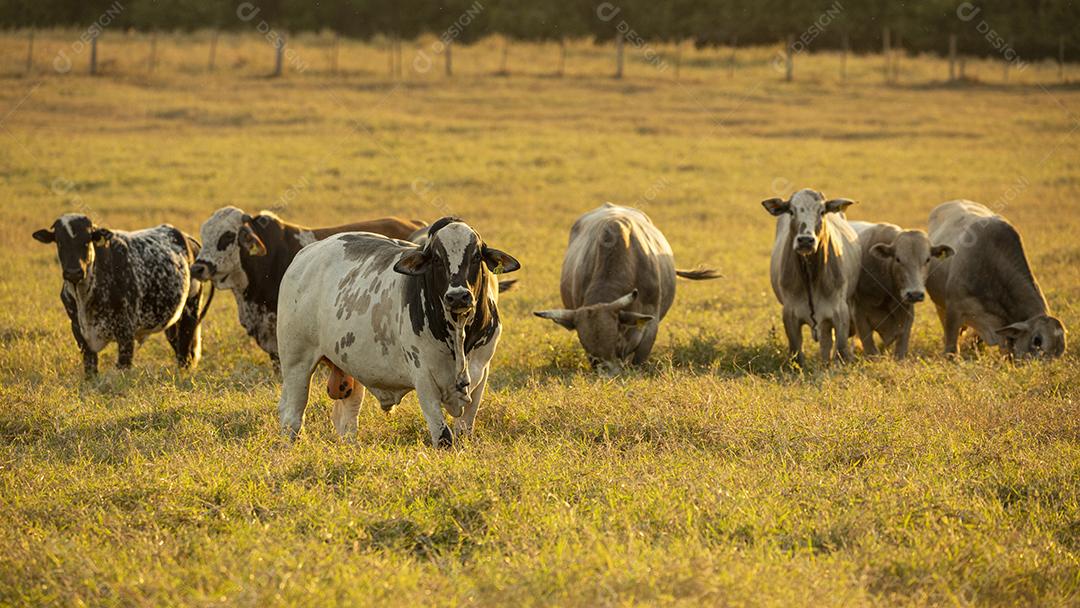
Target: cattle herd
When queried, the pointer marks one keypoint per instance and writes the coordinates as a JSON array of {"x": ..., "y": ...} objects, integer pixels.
[{"x": 392, "y": 305}]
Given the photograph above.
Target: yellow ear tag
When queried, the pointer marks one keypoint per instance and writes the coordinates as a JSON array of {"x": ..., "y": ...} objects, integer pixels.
[
  {"x": 498, "y": 269},
  {"x": 641, "y": 323},
  {"x": 253, "y": 249}
]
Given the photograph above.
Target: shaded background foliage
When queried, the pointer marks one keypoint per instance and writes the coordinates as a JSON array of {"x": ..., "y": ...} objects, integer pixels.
[{"x": 1033, "y": 28}]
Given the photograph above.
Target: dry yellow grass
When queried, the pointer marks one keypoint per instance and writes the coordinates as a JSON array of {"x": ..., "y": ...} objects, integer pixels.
[{"x": 710, "y": 476}]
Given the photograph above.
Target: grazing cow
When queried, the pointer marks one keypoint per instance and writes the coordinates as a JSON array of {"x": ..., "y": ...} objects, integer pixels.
[
  {"x": 895, "y": 263},
  {"x": 988, "y": 285},
  {"x": 249, "y": 255},
  {"x": 396, "y": 317},
  {"x": 618, "y": 282},
  {"x": 123, "y": 286},
  {"x": 814, "y": 270}
]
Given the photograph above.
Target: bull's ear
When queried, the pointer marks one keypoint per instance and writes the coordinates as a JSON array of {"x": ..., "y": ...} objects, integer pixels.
[
  {"x": 561, "y": 316},
  {"x": 250, "y": 242},
  {"x": 45, "y": 235},
  {"x": 414, "y": 263},
  {"x": 838, "y": 205},
  {"x": 1014, "y": 331},
  {"x": 500, "y": 261},
  {"x": 101, "y": 236},
  {"x": 941, "y": 251},
  {"x": 883, "y": 251},
  {"x": 776, "y": 206},
  {"x": 634, "y": 318}
]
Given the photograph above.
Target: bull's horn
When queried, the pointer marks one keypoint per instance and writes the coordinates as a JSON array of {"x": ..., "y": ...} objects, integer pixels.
[{"x": 626, "y": 300}]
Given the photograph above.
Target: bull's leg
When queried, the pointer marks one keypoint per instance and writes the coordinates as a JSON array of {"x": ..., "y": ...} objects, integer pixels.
[
  {"x": 464, "y": 424},
  {"x": 185, "y": 336},
  {"x": 641, "y": 353},
  {"x": 346, "y": 411},
  {"x": 295, "y": 382},
  {"x": 951, "y": 324},
  {"x": 431, "y": 405},
  {"x": 866, "y": 335},
  {"x": 825, "y": 340},
  {"x": 793, "y": 329},
  {"x": 126, "y": 351},
  {"x": 89, "y": 357},
  {"x": 904, "y": 340},
  {"x": 842, "y": 323}
]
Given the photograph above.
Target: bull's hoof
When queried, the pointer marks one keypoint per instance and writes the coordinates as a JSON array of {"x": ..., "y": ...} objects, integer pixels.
[{"x": 446, "y": 439}]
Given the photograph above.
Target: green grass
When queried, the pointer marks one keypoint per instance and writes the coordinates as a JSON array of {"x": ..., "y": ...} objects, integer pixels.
[{"x": 709, "y": 476}]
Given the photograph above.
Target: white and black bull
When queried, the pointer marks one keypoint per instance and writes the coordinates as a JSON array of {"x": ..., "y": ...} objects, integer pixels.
[
  {"x": 123, "y": 286},
  {"x": 396, "y": 317}
]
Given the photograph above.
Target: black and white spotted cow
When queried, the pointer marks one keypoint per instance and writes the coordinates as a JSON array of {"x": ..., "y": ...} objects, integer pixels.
[
  {"x": 396, "y": 317},
  {"x": 123, "y": 286}
]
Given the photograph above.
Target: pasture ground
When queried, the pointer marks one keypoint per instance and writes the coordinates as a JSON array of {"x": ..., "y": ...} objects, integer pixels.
[{"x": 710, "y": 476}]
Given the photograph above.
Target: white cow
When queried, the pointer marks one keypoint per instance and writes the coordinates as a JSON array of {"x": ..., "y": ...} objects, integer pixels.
[
  {"x": 396, "y": 317},
  {"x": 814, "y": 270}
]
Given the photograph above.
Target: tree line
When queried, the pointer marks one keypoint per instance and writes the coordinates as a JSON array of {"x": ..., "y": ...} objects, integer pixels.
[{"x": 1025, "y": 29}]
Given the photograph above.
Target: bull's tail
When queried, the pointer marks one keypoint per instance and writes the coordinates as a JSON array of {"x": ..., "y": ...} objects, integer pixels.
[
  {"x": 699, "y": 274},
  {"x": 209, "y": 299}
]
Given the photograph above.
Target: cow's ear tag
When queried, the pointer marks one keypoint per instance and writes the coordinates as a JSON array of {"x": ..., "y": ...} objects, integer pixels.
[
  {"x": 253, "y": 249},
  {"x": 641, "y": 323},
  {"x": 498, "y": 268}
]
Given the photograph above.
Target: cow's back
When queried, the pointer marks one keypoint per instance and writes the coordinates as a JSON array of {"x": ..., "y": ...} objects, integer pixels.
[
  {"x": 158, "y": 261},
  {"x": 612, "y": 251},
  {"x": 393, "y": 227}
]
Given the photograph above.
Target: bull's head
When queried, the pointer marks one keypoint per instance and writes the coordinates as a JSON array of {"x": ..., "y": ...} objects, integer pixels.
[
  {"x": 807, "y": 209},
  {"x": 1041, "y": 337},
  {"x": 908, "y": 258},
  {"x": 226, "y": 236},
  {"x": 452, "y": 260},
  {"x": 75, "y": 237},
  {"x": 608, "y": 332}
]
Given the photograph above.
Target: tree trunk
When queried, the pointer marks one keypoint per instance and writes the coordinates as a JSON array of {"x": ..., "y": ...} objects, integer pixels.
[
  {"x": 93, "y": 54},
  {"x": 731, "y": 60},
  {"x": 789, "y": 59},
  {"x": 449, "y": 59},
  {"x": 562, "y": 57},
  {"x": 279, "y": 55},
  {"x": 952, "y": 57},
  {"x": 844, "y": 47},
  {"x": 30, "y": 53},
  {"x": 213, "y": 51},
  {"x": 886, "y": 51},
  {"x": 618, "y": 55}
]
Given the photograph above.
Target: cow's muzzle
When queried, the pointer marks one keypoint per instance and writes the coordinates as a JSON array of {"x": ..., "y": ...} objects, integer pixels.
[
  {"x": 459, "y": 302},
  {"x": 912, "y": 297},
  {"x": 202, "y": 271},
  {"x": 74, "y": 276},
  {"x": 805, "y": 245}
]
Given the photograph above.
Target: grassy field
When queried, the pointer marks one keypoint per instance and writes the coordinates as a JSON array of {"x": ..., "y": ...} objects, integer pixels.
[{"x": 709, "y": 476}]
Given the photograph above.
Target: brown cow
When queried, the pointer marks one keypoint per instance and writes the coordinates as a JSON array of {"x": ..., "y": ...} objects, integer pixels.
[
  {"x": 988, "y": 284},
  {"x": 892, "y": 280}
]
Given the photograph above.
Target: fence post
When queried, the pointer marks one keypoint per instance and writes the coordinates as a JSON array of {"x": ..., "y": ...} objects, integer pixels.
[
  {"x": 789, "y": 59},
  {"x": 279, "y": 53},
  {"x": 952, "y": 57},
  {"x": 504, "y": 70},
  {"x": 1061, "y": 58},
  {"x": 30, "y": 53},
  {"x": 731, "y": 60},
  {"x": 213, "y": 51},
  {"x": 398, "y": 67},
  {"x": 93, "y": 52},
  {"x": 562, "y": 57},
  {"x": 678, "y": 58},
  {"x": 449, "y": 59},
  {"x": 618, "y": 55},
  {"x": 844, "y": 45},
  {"x": 898, "y": 54},
  {"x": 886, "y": 52},
  {"x": 153, "y": 52},
  {"x": 334, "y": 54}
]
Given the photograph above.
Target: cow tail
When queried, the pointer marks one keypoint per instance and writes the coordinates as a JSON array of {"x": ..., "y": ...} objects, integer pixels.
[
  {"x": 209, "y": 299},
  {"x": 699, "y": 274},
  {"x": 194, "y": 247}
]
